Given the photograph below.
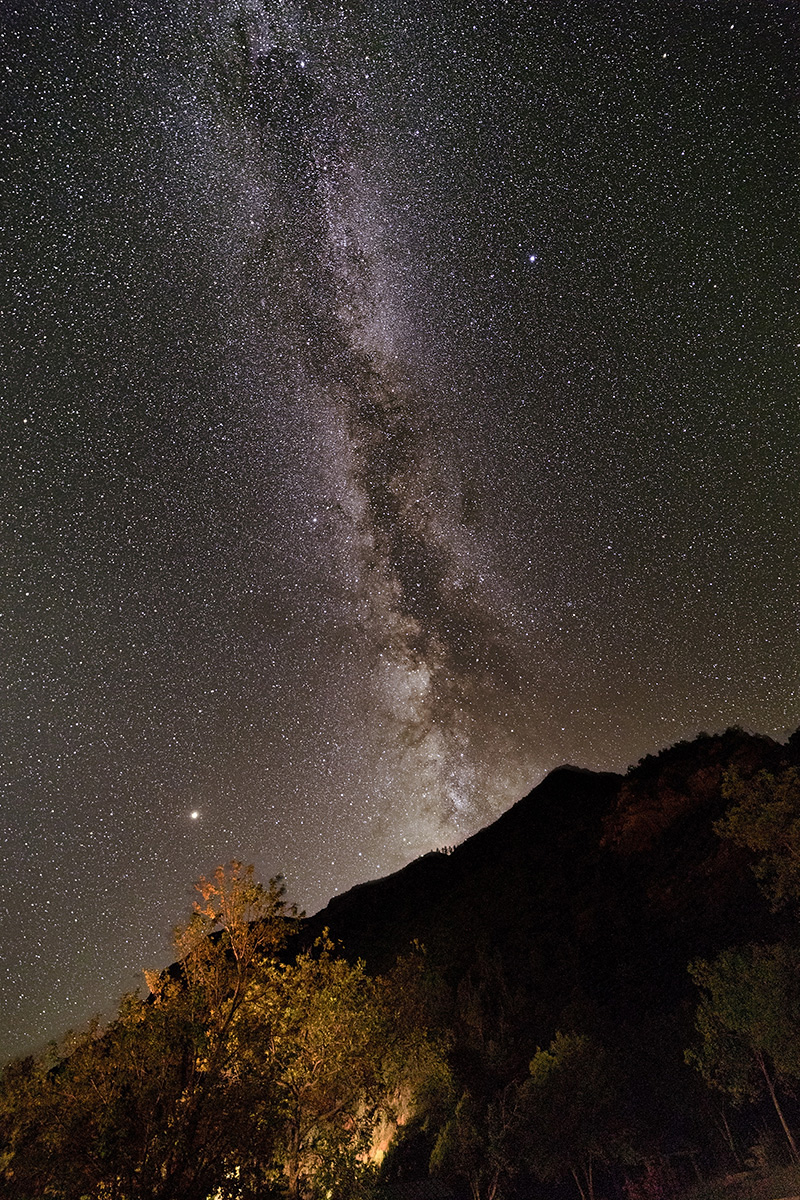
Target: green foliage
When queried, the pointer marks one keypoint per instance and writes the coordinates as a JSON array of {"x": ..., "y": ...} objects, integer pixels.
[
  {"x": 315, "y": 1028},
  {"x": 751, "y": 1004},
  {"x": 570, "y": 1109},
  {"x": 749, "y": 1016},
  {"x": 765, "y": 817},
  {"x": 749, "y": 1022},
  {"x": 560, "y": 1122},
  {"x": 478, "y": 1144}
]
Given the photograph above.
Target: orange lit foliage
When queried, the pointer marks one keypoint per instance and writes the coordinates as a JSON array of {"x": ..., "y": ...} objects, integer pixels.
[{"x": 243, "y": 1073}]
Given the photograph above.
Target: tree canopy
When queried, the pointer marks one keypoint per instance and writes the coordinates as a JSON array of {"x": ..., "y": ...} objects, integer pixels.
[
  {"x": 248, "y": 1071},
  {"x": 749, "y": 1023},
  {"x": 764, "y": 816},
  {"x": 570, "y": 1111}
]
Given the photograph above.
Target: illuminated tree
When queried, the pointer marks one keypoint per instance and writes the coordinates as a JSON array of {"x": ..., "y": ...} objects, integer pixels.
[
  {"x": 245, "y": 1073},
  {"x": 343, "y": 1052},
  {"x": 156, "y": 1105}
]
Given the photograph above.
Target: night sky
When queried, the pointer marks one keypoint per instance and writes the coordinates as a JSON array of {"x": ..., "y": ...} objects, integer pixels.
[{"x": 394, "y": 408}]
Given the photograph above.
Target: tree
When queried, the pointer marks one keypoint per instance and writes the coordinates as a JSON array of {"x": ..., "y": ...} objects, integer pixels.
[
  {"x": 478, "y": 1144},
  {"x": 31, "y": 1164},
  {"x": 343, "y": 1051},
  {"x": 749, "y": 1023},
  {"x": 765, "y": 817},
  {"x": 246, "y": 1073},
  {"x": 155, "y": 1106},
  {"x": 570, "y": 1112}
]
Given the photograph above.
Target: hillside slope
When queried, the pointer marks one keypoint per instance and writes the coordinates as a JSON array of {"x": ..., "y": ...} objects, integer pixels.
[{"x": 580, "y": 909}]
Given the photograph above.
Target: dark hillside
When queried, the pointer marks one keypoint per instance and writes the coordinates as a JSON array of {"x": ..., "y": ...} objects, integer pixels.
[
  {"x": 486, "y": 892},
  {"x": 617, "y": 867},
  {"x": 580, "y": 908}
]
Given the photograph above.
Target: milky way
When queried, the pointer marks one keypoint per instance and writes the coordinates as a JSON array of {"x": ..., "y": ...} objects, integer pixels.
[{"x": 395, "y": 407}]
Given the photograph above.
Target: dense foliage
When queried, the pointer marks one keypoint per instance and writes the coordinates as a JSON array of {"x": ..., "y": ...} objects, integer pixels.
[
  {"x": 608, "y": 1007},
  {"x": 248, "y": 1072}
]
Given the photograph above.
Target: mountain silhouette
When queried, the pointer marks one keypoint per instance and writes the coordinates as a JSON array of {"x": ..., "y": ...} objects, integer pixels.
[{"x": 580, "y": 909}]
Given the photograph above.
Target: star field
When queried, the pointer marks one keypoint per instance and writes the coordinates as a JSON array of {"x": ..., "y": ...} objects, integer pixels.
[{"x": 395, "y": 407}]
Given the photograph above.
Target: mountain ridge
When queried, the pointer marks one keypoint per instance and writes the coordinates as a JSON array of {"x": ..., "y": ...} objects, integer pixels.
[{"x": 580, "y": 909}]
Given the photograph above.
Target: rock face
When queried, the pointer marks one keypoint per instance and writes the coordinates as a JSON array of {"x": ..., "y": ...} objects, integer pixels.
[{"x": 580, "y": 908}]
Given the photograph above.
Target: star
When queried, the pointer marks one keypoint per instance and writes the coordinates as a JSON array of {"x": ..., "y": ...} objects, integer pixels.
[{"x": 237, "y": 323}]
